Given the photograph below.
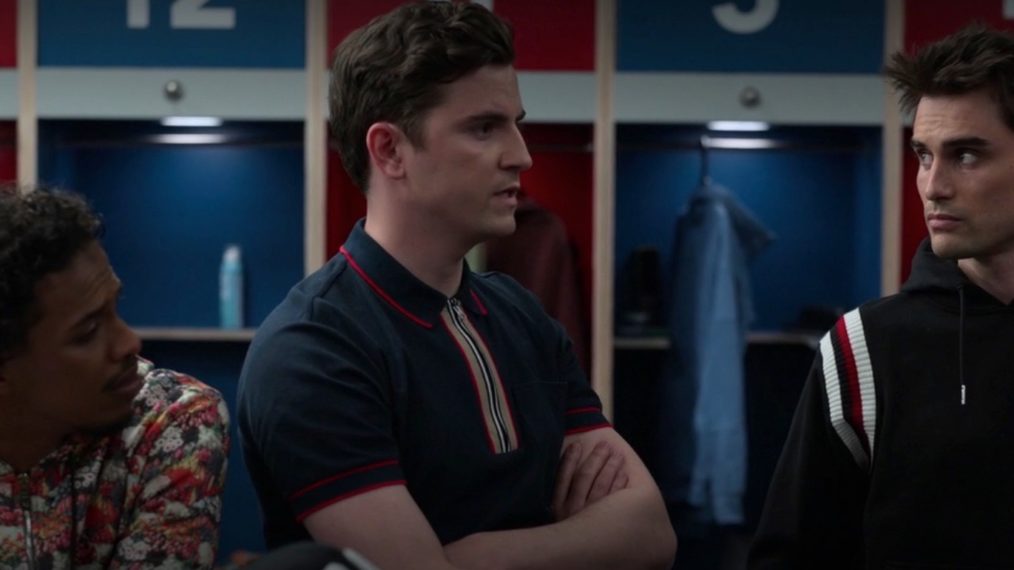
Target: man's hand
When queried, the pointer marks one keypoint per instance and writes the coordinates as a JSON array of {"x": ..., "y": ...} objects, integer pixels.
[
  {"x": 610, "y": 513},
  {"x": 583, "y": 479}
]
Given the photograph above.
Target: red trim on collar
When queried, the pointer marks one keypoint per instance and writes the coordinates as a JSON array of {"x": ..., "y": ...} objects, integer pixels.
[
  {"x": 482, "y": 308},
  {"x": 383, "y": 294}
]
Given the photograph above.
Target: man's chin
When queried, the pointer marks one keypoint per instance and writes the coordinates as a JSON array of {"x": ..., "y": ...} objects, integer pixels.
[
  {"x": 946, "y": 248},
  {"x": 111, "y": 426},
  {"x": 503, "y": 229}
]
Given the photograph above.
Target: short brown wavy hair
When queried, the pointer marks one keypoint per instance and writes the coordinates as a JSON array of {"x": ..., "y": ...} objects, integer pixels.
[
  {"x": 976, "y": 57},
  {"x": 41, "y": 231},
  {"x": 393, "y": 69}
]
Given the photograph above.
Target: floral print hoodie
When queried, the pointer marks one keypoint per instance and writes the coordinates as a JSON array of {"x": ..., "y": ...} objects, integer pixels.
[{"x": 146, "y": 496}]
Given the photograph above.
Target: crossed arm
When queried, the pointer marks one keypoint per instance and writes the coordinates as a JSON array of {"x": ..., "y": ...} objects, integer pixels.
[{"x": 609, "y": 515}]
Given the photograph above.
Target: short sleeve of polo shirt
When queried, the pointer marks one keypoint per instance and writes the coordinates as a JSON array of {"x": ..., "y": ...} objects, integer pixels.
[
  {"x": 320, "y": 414},
  {"x": 583, "y": 407}
]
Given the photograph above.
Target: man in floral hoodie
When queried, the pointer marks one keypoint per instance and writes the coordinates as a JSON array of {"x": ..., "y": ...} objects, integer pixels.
[{"x": 105, "y": 461}]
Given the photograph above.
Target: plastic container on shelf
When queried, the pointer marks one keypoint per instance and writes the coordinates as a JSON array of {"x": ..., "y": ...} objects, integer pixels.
[{"x": 230, "y": 288}]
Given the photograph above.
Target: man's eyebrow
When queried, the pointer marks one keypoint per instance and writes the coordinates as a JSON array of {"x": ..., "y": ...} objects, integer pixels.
[
  {"x": 95, "y": 312},
  {"x": 960, "y": 142},
  {"x": 482, "y": 117},
  {"x": 495, "y": 116}
]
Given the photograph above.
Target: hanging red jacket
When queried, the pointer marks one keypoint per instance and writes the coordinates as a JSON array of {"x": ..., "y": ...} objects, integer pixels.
[{"x": 540, "y": 256}]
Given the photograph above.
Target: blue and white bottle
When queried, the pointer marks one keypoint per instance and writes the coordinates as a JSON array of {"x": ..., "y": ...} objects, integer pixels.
[{"x": 230, "y": 288}]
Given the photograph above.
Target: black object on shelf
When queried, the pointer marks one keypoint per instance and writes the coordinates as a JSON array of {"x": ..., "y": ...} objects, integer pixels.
[
  {"x": 641, "y": 296},
  {"x": 816, "y": 319}
]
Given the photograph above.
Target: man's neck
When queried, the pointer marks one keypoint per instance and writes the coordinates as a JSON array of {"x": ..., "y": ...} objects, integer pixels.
[
  {"x": 994, "y": 275},
  {"x": 23, "y": 447},
  {"x": 426, "y": 253}
]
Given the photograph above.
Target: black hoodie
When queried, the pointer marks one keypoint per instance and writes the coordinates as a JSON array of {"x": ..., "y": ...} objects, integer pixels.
[{"x": 901, "y": 452}]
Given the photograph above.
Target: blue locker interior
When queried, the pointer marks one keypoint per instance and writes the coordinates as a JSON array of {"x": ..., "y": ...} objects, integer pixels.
[
  {"x": 817, "y": 190},
  {"x": 169, "y": 211}
]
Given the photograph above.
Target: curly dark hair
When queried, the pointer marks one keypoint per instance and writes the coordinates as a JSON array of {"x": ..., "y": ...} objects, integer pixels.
[
  {"x": 976, "y": 57},
  {"x": 393, "y": 69},
  {"x": 41, "y": 230}
]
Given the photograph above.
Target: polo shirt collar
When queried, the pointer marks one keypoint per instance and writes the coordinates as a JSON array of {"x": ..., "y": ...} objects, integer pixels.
[{"x": 395, "y": 284}]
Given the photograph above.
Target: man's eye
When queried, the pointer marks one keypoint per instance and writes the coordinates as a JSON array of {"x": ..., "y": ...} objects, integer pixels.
[
  {"x": 925, "y": 158},
  {"x": 967, "y": 157},
  {"x": 87, "y": 335}
]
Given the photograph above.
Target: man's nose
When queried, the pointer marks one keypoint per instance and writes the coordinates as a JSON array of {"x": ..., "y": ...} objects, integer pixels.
[
  {"x": 126, "y": 343},
  {"x": 517, "y": 157},
  {"x": 936, "y": 182}
]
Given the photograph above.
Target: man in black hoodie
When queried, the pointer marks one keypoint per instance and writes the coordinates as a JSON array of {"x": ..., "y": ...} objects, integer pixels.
[{"x": 901, "y": 454}]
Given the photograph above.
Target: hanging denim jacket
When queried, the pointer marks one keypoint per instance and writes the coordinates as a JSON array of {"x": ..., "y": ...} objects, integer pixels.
[{"x": 702, "y": 425}]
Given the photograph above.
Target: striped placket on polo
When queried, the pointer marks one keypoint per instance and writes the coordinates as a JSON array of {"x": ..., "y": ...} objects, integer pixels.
[{"x": 501, "y": 433}]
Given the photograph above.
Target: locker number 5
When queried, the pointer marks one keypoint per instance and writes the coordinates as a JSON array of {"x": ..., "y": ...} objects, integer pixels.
[
  {"x": 182, "y": 15},
  {"x": 750, "y": 22}
]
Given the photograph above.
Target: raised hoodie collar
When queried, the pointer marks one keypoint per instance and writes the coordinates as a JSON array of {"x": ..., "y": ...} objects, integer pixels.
[
  {"x": 955, "y": 292},
  {"x": 931, "y": 273}
]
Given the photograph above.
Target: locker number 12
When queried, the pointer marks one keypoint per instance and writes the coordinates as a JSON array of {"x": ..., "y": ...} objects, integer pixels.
[{"x": 184, "y": 14}]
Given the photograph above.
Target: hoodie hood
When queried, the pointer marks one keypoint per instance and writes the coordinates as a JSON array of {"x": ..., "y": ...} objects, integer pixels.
[
  {"x": 934, "y": 274},
  {"x": 955, "y": 293},
  {"x": 930, "y": 272}
]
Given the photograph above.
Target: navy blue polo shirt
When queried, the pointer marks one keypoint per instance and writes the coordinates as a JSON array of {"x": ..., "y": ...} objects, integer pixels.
[{"x": 365, "y": 377}]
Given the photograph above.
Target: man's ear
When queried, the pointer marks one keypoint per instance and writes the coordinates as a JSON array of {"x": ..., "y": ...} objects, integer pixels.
[{"x": 384, "y": 142}]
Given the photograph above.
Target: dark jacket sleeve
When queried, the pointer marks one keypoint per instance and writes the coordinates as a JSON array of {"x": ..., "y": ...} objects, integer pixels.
[{"x": 813, "y": 513}]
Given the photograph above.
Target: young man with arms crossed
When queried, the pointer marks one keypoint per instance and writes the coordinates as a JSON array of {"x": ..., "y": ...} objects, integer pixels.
[{"x": 398, "y": 403}]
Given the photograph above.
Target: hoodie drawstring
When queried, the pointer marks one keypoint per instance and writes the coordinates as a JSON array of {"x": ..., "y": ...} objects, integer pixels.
[
  {"x": 961, "y": 341},
  {"x": 73, "y": 509}
]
